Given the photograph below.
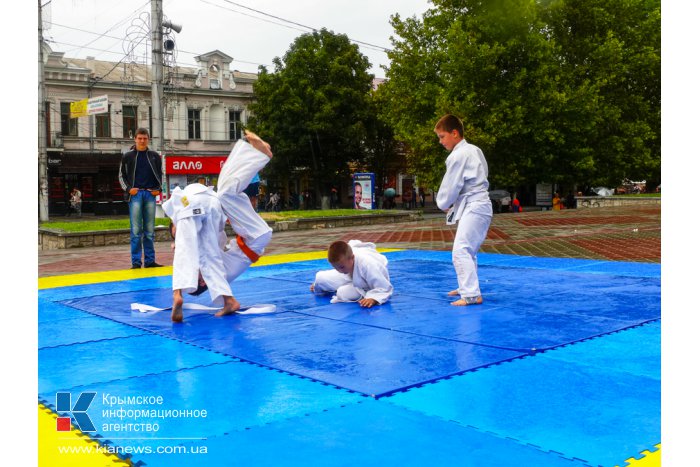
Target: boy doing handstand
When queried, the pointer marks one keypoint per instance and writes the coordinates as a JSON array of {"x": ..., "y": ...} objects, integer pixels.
[
  {"x": 204, "y": 259},
  {"x": 359, "y": 274}
]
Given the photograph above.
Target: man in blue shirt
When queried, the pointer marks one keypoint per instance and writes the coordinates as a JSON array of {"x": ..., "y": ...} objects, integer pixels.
[{"x": 140, "y": 175}]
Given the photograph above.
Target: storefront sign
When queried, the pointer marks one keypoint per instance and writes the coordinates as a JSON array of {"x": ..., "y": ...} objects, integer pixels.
[{"x": 194, "y": 165}]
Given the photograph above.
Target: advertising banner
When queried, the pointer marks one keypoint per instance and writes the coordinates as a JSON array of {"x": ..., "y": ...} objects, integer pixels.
[
  {"x": 543, "y": 194},
  {"x": 79, "y": 109},
  {"x": 98, "y": 105},
  {"x": 92, "y": 106},
  {"x": 363, "y": 189}
]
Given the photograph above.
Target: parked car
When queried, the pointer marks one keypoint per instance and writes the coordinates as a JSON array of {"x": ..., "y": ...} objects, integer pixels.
[{"x": 500, "y": 200}]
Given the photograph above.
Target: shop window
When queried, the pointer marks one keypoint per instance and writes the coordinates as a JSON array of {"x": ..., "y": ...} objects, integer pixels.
[
  {"x": 235, "y": 125},
  {"x": 69, "y": 126},
  {"x": 117, "y": 192},
  {"x": 102, "y": 124},
  {"x": 57, "y": 189},
  {"x": 193, "y": 124},
  {"x": 129, "y": 121},
  {"x": 86, "y": 187}
]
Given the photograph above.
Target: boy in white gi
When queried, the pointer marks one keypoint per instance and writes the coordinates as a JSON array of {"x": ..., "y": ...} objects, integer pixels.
[
  {"x": 252, "y": 232},
  {"x": 359, "y": 274},
  {"x": 464, "y": 195},
  {"x": 202, "y": 257}
]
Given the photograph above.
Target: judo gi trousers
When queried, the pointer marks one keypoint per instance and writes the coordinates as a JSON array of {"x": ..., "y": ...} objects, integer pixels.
[{"x": 471, "y": 232}]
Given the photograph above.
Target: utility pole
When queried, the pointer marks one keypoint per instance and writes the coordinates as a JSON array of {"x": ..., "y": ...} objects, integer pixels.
[
  {"x": 43, "y": 163},
  {"x": 157, "y": 74}
]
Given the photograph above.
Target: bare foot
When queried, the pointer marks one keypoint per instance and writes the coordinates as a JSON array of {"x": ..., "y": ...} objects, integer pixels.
[
  {"x": 468, "y": 301},
  {"x": 453, "y": 293},
  {"x": 231, "y": 306},
  {"x": 176, "y": 315}
]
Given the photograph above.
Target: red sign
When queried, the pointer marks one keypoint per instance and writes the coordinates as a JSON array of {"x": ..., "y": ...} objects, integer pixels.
[{"x": 195, "y": 165}]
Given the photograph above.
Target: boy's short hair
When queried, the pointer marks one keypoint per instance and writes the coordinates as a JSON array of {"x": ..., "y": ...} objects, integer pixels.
[
  {"x": 338, "y": 250},
  {"x": 449, "y": 123},
  {"x": 142, "y": 131}
]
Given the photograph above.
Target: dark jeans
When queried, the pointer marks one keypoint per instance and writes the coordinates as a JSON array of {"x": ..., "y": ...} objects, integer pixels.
[{"x": 142, "y": 215}]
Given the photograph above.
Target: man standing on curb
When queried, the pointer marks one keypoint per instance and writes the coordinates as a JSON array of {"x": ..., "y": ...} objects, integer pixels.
[{"x": 140, "y": 174}]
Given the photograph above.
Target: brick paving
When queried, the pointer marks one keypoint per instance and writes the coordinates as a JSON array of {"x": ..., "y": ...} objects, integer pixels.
[{"x": 623, "y": 233}]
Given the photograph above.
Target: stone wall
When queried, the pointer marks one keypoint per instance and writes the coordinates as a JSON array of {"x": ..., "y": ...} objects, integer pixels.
[{"x": 56, "y": 240}]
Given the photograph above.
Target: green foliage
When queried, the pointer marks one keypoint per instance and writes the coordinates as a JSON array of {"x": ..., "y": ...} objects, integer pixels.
[
  {"x": 314, "y": 108},
  {"x": 565, "y": 91}
]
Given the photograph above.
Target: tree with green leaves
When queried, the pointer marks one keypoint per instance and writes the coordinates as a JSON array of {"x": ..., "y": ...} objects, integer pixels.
[
  {"x": 612, "y": 50},
  {"x": 314, "y": 107},
  {"x": 565, "y": 91}
]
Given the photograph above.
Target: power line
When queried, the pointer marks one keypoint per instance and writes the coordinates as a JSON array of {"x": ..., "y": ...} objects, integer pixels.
[
  {"x": 117, "y": 24},
  {"x": 122, "y": 53},
  {"x": 256, "y": 17},
  {"x": 378, "y": 48}
]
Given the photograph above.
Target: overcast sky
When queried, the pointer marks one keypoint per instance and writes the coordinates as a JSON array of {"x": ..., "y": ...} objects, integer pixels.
[{"x": 251, "y": 38}]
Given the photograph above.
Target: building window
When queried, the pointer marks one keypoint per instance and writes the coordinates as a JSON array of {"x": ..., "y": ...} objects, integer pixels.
[
  {"x": 69, "y": 126},
  {"x": 129, "y": 121},
  {"x": 235, "y": 126},
  {"x": 193, "y": 124},
  {"x": 102, "y": 124}
]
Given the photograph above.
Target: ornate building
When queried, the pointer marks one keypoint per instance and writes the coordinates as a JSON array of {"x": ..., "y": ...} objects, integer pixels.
[{"x": 204, "y": 109}]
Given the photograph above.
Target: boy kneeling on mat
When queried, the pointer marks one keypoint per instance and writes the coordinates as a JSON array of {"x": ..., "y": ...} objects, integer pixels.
[
  {"x": 359, "y": 274},
  {"x": 204, "y": 258}
]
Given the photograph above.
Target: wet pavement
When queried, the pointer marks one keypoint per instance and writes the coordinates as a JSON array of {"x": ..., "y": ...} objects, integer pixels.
[{"x": 622, "y": 233}]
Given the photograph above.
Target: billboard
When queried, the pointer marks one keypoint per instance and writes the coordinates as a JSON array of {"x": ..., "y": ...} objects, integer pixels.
[
  {"x": 363, "y": 191},
  {"x": 543, "y": 194}
]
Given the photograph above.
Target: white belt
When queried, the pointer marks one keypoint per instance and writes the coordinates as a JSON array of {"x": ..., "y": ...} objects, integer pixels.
[{"x": 258, "y": 309}]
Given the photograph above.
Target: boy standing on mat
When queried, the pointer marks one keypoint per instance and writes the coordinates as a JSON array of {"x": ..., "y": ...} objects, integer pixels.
[
  {"x": 464, "y": 195},
  {"x": 203, "y": 259},
  {"x": 359, "y": 274}
]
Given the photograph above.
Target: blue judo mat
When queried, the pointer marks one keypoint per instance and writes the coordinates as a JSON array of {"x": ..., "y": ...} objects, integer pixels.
[{"x": 552, "y": 345}]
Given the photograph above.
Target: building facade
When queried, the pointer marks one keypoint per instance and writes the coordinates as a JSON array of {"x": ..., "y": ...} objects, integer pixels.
[{"x": 204, "y": 109}]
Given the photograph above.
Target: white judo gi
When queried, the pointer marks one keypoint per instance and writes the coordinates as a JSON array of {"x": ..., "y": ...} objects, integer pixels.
[
  {"x": 200, "y": 213},
  {"x": 242, "y": 164},
  {"x": 464, "y": 191},
  {"x": 199, "y": 221},
  {"x": 370, "y": 277}
]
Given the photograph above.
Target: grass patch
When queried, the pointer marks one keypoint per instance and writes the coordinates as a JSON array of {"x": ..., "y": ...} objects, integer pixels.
[
  {"x": 98, "y": 225},
  {"x": 643, "y": 195},
  {"x": 117, "y": 224}
]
